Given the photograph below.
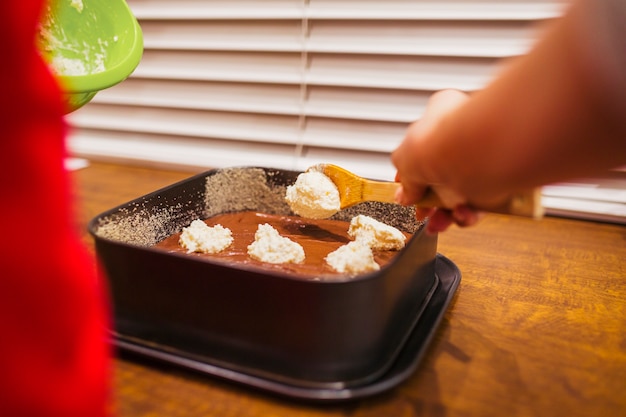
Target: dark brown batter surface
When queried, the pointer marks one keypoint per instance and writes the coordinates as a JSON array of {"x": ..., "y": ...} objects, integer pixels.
[{"x": 317, "y": 237}]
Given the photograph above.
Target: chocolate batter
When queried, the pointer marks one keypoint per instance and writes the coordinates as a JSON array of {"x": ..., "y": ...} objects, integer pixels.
[{"x": 317, "y": 237}]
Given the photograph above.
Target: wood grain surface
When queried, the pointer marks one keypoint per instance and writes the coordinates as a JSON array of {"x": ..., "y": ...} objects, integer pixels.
[{"x": 537, "y": 327}]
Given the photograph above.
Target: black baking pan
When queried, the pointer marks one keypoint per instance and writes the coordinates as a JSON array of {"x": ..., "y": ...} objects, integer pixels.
[{"x": 313, "y": 339}]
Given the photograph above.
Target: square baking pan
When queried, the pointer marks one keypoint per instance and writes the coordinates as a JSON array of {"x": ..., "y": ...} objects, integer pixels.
[{"x": 315, "y": 339}]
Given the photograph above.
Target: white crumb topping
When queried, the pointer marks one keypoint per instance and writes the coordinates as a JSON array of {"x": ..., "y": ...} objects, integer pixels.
[
  {"x": 68, "y": 66},
  {"x": 269, "y": 246},
  {"x": 77, "y": 4},
  {"x": 353, "y": 258},
  {"x": 375, "y": 234},
  {"x": 199, "y": 237},
  {"x": 313, "y": 195}
]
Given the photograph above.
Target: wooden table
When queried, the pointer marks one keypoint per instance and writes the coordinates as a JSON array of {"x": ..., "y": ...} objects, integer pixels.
[{"x": 537, "y": 328}]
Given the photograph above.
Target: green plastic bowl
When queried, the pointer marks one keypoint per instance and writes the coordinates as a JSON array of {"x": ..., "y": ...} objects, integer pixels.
[{"x": 90, "y": 45}]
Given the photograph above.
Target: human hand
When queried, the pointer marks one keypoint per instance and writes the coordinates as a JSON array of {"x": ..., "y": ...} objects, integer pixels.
[{"x": 415, "y": 169}]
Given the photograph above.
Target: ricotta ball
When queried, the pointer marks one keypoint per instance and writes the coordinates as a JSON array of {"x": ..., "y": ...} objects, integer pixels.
[
  {"x": 313, "y": 195},
  {"x": 375, "y": 234},
  {"x": 269, "y": 246},
  {"x": 200, "y": 237},
  {"x": 352, "y": 258}
]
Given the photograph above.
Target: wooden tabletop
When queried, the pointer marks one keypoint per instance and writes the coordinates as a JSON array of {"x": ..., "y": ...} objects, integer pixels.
[{"x": 537, "y": 326}]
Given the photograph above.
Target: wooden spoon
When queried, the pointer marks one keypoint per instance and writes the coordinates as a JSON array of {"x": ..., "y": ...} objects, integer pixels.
[{"x": 354, "y": 189}]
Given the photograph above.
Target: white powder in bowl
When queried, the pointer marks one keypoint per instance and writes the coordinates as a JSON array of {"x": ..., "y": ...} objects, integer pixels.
[
  {"x": 77, "y": 4},
  {"x": 68, "y": 66}
]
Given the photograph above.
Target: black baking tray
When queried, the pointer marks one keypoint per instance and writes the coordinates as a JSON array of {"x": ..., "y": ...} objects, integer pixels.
[
  {"x": 402, "y": 368},
  {"x": 324, "y": 340}
]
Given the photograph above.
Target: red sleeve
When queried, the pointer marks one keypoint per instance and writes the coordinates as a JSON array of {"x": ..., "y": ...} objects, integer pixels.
[{"x": 54, "y": 354}]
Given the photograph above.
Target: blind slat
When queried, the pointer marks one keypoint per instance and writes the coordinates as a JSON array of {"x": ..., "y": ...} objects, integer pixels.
[
  {"x": 368, "y": 136},
  {"x": 197, "y": 123},
  {"x": 346, "y": 9},
  {"x": 178, "y": 151},
  {"x": 220, "y": 66},
  {"x": 230, "y": 97}
]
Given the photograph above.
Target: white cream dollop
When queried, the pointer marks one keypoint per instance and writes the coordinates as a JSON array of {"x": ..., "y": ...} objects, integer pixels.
[
  {"x": 199, "y": 237},
  {"x": 313, "y": 196},
  {"x": 269, "y": 246},
  {"x": 375, "y": 234},
  {"x": 353, "y": 258}
]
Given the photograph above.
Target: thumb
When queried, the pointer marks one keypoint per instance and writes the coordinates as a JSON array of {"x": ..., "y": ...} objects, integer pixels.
[{"x": 408, "y": 195}]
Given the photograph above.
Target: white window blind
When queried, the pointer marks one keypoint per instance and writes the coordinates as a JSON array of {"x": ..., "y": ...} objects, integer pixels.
[{"x": 291, "y": 83}]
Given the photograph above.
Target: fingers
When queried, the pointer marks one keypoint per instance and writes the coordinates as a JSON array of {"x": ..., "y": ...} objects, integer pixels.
[
  {"x": 409, "y": 198},
  {"x": 439, "y": 220},
  {"x": 465, "y": 216}
]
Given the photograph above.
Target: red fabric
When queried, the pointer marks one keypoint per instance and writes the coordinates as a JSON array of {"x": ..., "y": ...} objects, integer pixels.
[{"x": 54, "y": 356}]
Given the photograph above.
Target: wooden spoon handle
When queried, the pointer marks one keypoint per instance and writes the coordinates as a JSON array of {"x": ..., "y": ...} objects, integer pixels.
[{"x": 527, "y": 203}]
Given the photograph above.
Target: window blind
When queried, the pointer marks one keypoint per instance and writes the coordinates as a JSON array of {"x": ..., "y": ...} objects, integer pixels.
[{"x": 291, "y": 83}]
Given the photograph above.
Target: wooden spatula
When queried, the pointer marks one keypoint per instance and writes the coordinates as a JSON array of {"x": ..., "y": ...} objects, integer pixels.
[{"x": 354, "y": 189}]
